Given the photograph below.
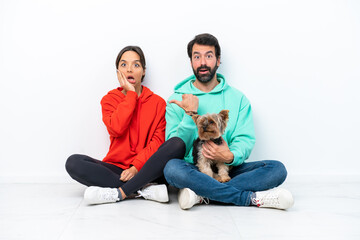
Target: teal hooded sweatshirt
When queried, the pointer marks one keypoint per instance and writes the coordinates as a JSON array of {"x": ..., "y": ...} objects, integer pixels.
[{"x": 239, "y": 133}]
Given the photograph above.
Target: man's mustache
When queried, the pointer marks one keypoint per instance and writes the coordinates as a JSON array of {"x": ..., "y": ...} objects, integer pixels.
[{"x": 203, "y": 67}]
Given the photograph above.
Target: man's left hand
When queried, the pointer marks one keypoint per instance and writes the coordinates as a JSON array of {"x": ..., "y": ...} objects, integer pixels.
[{"x": 220, "y": 153}]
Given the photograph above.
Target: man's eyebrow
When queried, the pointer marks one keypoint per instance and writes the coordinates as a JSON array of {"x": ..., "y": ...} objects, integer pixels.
[{"x": 205, "y": 53}]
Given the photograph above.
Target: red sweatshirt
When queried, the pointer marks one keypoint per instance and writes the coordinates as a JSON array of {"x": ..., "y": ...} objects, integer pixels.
[{"x": 136, "y": 126}]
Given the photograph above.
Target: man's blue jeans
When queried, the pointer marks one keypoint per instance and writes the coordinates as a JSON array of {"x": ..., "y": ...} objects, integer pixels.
[{"x": 245, "y": 179}]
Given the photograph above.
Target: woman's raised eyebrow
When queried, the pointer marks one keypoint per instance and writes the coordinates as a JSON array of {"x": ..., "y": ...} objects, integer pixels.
[{"x": 126, "y": 61}]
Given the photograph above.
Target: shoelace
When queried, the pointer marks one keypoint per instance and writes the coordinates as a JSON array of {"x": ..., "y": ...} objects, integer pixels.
[
  {"x": 204, "y": 200},
  {"x": 143, "y": 193}
]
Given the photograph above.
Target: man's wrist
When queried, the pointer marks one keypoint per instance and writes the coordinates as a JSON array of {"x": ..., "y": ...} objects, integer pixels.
[
  {"x": 191, "y": 113},
  {"x": 230, "y": 158}
]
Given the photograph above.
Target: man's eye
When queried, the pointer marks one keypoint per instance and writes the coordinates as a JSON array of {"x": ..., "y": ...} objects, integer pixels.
[{"x": 209, "y": 56}]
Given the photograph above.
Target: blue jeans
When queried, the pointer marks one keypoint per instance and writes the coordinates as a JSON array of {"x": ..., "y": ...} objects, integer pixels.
[{"x": 245, "y": 179}]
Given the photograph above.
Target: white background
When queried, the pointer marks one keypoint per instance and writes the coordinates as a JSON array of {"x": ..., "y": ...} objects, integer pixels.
[{"x": 297, "y": 61}]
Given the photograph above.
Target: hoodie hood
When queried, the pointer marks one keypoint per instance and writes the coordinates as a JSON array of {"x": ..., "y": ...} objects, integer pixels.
[
  {"x": 145, "y": 94},
  {"x": 187, "y": 87}
]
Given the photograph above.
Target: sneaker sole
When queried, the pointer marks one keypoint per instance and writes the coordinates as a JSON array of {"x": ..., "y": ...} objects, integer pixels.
[{"x": 184, "y": 198}]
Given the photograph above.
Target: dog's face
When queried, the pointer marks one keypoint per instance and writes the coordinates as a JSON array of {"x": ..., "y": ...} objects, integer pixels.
[{"x": 211, "y": 126}]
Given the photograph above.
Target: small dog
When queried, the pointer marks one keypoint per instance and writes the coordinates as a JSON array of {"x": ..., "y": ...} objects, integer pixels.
[{"x": 210, "y": 127}]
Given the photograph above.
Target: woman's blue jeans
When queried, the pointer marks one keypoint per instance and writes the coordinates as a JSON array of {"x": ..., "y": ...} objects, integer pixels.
[{"x": 245, "y": 179}]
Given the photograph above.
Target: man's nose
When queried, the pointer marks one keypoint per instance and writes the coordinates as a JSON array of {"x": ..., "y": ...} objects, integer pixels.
[{"x": 202, "y": 61}]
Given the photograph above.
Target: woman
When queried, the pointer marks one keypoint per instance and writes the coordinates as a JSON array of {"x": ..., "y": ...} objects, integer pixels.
[{"x": 135, "y": 119}]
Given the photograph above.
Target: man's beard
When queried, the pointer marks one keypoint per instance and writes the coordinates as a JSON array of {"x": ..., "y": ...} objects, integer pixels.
[{"x": 205, "y": 78}]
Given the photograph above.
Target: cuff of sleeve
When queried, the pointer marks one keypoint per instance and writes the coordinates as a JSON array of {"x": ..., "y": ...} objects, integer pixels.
[
  {"x": 137, "y": 164},
  {"x": 236, "y": 161}
]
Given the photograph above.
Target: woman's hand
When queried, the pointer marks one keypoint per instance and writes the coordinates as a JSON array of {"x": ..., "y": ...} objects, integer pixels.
[
  {"x": 128, "y": 174},
  {"x": 124, "y": 82}
]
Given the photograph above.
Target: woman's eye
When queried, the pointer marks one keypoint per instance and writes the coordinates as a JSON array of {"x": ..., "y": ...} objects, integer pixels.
[
  {"x": 123, "y": 65},
  {"x": 137, "y": 65}
]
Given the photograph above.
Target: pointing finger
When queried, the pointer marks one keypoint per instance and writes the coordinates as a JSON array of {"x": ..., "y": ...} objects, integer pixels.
[{"x": 176, "y": 102}]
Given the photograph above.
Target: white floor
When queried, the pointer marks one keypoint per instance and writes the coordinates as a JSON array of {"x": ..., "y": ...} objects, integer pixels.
[{"x": 322, "y": 210}]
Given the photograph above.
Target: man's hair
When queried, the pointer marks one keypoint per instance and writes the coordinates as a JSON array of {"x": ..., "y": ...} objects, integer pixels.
[
  {"x": 134, "y": 49},
  {"x": 207, "y": 40}
]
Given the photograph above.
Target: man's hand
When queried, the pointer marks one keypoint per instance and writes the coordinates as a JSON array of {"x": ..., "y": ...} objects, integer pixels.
[
  {"x": 124, "y": 82},
  {"x": 189, "y": 102},
  {"x": 220, "y": 153},
  {"x": 128, "y": 174}
]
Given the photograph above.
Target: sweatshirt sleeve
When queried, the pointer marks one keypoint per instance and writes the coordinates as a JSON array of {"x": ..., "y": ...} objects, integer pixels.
[
  {"x": 242, "y": 139},
  {"x": 157, "y": 139},
  {"x": 117, "y": 114},
  {"x": 179, "y": 124}
]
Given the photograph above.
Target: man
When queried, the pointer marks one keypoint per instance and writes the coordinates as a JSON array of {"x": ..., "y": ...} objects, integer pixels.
[{"x": 206, "y": 91}]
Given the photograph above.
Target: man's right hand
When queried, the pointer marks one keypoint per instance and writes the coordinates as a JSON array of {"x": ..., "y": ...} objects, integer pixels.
[{"x": 189, "y": 102}]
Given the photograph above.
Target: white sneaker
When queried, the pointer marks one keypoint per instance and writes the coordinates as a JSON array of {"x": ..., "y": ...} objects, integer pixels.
[
  {"x": 99, "y": 195},
  {"x": 156, "y": 193},
  {"x": 187, "y": 198},
  {"x": 274, "y": 198}
]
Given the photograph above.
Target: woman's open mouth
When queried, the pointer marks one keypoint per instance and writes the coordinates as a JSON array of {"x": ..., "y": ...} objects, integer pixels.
[{"x": 131, "y": 79}]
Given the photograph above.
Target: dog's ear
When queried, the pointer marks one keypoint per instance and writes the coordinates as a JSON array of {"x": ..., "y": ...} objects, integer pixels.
[
  {"x": 195, "y": 118},
  {"x": 224, "y": 114}
]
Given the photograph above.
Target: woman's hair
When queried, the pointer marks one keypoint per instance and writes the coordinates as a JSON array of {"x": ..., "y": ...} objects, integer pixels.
[
  {"x": 207, "y": 40},
  {"x": 134, "y": 49}
]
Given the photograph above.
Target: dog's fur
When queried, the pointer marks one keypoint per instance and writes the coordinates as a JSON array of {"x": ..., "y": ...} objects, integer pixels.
[{"x": 210, "y": 127}]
